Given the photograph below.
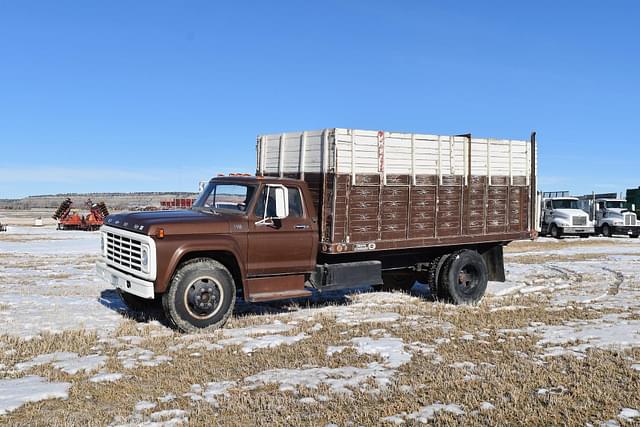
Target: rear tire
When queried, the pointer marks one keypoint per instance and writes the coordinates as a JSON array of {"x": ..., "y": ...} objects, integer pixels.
[
  {"x": 606, "y": 230},
  {"x": 634, "y": 236},
  {"x": 464, "y": 277},
  {"x": 201, "y": 295},
  {"x": 584, "y": 236},
  {"x": 434, "y": 278}
]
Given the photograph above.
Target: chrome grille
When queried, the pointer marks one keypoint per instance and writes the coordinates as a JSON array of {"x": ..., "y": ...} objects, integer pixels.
[
  {"x": 579, "y": 220},
  {"x": 630, "y": 219},
  {"x": 124, "y": 251}
]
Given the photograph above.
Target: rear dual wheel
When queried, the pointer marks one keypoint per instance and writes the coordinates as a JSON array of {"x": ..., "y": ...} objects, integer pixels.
[{"x": 461, "y": 278}]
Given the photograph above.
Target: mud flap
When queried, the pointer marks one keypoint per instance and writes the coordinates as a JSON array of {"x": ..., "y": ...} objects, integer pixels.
[{"x": 494, "y": 259}]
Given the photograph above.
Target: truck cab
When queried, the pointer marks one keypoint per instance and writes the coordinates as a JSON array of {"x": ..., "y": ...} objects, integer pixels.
[
  {"x": 612, "y": 216},
  {"x": 256, "y": 236},
  {"x": 562, "y": 216}
]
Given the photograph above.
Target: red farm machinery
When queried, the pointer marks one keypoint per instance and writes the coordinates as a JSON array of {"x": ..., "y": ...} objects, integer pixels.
[{"x": 70, "y": 220}]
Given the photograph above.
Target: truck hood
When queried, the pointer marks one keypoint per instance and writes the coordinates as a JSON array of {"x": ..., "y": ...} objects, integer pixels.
[
  {"x": 568, "y": 213},
  {"x": 611, "y": 212},
  {"x": 173, "y": 222}
]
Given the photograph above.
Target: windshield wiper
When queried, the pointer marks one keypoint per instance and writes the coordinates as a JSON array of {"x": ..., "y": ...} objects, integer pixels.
[{"x": 206, "y": 209}]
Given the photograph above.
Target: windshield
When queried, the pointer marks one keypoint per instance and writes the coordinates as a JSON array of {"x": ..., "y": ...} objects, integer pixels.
[
  {"x": 565, "y": 204},
  {"x": 228, "y": 197},
  {"x": 615, "y": 204}
]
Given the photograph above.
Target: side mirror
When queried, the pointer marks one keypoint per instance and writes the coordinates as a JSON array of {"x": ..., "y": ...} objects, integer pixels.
[
  {"x": 633, "y": 207},
  {"x": 276, "y": 204},
  {"x": 282, "y": 201}
]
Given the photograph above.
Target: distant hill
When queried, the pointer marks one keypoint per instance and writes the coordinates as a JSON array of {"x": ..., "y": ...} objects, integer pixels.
[{"x": 114, "y": 201}]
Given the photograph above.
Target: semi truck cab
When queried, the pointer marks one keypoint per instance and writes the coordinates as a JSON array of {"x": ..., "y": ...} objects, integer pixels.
[
  {"x": 562, "y": 215},
  {"x": 612, "y": 216}
]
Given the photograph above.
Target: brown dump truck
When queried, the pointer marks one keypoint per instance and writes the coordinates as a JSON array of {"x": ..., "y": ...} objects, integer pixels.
[{"x": 331, "y": 209}]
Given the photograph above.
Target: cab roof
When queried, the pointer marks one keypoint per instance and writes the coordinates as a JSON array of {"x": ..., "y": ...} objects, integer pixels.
[{"x": 253, "y": 179}]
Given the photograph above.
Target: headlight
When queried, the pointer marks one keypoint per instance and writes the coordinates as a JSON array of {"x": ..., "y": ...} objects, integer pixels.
[
  {"x": 144, "y": 258},
  {"x": 617, "y": 223}
]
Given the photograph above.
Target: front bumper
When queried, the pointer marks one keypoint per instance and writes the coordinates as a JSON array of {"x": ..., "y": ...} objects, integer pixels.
[
  {"x": 626, "y": 229},
  {"x": 125, "y": 282},
  {"x": 578, "y": 230}
]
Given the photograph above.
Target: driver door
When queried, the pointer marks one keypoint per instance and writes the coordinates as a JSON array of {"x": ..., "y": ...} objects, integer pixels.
[{"x": 281, "y": 246}]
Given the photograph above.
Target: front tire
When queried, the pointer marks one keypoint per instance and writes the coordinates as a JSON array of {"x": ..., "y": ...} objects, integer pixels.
[
  {"x": 201, "y": 295},
  {"x": 556, "y": 232},
  {"x": 606, "y": 231},
  {"x": 464, "y": 277}
]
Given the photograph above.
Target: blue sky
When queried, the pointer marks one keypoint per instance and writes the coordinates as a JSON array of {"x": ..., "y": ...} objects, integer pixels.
[{"x": 157, "y": 95}]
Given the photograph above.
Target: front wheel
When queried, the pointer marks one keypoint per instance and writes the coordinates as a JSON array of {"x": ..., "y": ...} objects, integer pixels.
[
  {"x": 464, "y": 277},
  {"x": 556, "y": 232},
  {"x": 606, "y": 230},
  {"x": 202, "y": 295}
]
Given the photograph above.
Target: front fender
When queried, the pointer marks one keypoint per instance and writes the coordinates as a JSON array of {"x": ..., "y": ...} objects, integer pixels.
[{"x": 173, "y": 249}]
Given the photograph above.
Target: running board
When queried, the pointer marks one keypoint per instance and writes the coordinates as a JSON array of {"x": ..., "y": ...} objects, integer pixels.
[
  {"x": 275, "y": 287},
  {"x": 270, "y": 296}
]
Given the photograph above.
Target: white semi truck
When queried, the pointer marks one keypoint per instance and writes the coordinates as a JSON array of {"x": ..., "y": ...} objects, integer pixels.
[
  {"x": 610, "y": 215},
  {"x": 561, "y": 215}
]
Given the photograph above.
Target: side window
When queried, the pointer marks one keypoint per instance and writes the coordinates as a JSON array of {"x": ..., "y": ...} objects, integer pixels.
[
  {"x": 295, "y": 202},
  {"x": 271, "y": 204},
  {"x": 601, "y": 205},
  {"x": 548, "y": 204}
]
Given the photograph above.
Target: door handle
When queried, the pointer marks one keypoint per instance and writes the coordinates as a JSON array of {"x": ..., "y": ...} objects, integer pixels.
[{"x": 301, "y": 226}]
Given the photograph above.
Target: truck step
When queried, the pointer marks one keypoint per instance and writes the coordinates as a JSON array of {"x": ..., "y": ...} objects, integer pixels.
[{"x": 268, "y": 296}]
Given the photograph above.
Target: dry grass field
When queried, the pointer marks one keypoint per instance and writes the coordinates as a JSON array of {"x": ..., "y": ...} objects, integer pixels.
[{"x": 557, "y": 344}]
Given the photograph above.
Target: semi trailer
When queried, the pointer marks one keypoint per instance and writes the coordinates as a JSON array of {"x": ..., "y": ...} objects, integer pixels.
[{"x": 326, "y": 210}]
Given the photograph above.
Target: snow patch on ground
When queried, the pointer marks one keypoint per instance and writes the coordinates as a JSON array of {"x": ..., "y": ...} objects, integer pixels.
[
  {"x": 390, "y": 349},
  {"x": 339, "y": 380},
  {"x": 136, "y": 357},
  {"x": 213, "y": 391},
  {"x": 425, "y": 414},
  {"x": 16, "y": 392},
  {"x": 250, "y": 344},
  {"x": 611, "y": 331},
  {"x": 106, "y": 377},
  {"x": 274, "y": 328},
  {"x": 629, "y": 414}
]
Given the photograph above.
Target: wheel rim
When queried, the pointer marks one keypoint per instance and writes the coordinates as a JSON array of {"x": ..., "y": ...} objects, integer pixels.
[
  {"x": 468, "y": 279},
  {"x": 203, "y": 297}
]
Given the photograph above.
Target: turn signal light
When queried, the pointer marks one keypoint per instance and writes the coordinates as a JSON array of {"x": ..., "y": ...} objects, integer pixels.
[{"x": 161, "y": 233}]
